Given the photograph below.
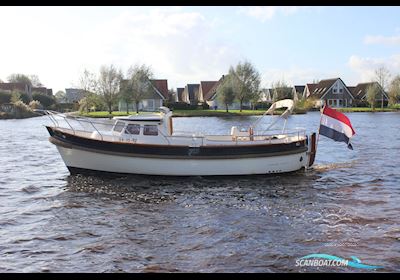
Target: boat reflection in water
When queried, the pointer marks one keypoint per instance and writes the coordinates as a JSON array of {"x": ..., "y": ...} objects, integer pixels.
[{"x": 147, "y": 144}]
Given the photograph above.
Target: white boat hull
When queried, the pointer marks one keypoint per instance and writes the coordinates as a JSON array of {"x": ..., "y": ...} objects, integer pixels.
[{"x": 87, "y": 160}]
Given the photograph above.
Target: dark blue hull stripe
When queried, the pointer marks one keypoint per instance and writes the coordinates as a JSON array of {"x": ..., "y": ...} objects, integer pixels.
[{"x": 333, "y": 134}]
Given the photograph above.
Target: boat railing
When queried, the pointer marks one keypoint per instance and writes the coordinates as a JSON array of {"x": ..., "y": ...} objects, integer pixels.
[
  {"x": 103, "y": 128},
  {"x": 79, "y": 125}
]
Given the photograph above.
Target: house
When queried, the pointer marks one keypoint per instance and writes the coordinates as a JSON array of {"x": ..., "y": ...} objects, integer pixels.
[
  {"x": 73, "y": 95},
  {"x": 205, "y": 87},
  {"x": 43, "y": 90},
  {"x": 190, "y": 94},
  {"x": 211, "y": 97},
  {"x": 333, "y": 92},
  {"x": 279, "y": 93},
  {"x": 20, "y": 87},
  {"x": 152, "y": 101},
  {"x": 266, "y": 95},
  {"x": 360, "y": 92},
  {"x": 179, "y": 92},
  {"x": 298, "y": 92}
]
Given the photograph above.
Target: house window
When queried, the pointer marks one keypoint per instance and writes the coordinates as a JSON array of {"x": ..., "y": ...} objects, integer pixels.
[
  {"x": 340, "y": 103},
  {"x": 133, "y": 129},
  {"x": 119, "y": 126},
  {"x": 341, "y": 90},
  {"x": 334, "y": 90},
  {"x": 150, "y": 130}
]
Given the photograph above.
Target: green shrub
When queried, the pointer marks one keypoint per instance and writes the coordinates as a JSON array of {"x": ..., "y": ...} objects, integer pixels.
[
  {"x": 21, "y": 110},
  {"x": 181, "y": 106},
  {"x": 5, "y": 97},
  {"x": 205, "y": 106},
  {"x": 34, "y": 104},
  {"x": 44, "y": 99}
]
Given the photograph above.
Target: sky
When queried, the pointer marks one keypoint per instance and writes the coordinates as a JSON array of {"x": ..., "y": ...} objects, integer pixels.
[{"x": 190, "y": 44}]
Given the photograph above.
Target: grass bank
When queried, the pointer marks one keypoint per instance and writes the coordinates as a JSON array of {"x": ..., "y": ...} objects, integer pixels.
[
  {"x": 223, "y": 113},
  {"x": 186, "y": 113},
  {"x": 189, "y": 113},
  {"x": 366, "y": 109}
]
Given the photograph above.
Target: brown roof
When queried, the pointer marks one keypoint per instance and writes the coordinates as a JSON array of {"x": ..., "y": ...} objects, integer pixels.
[
  {"x": 179, "y": 93},
  {"x": 13, "y": 86},
  {"x": 322, "y": 87},
  {"x": 299, "y": 89},
  {"x": 361, "y": 89},
  {"x": 210, "y": 94},
  {"x": 39, "y": 89},
  {"x": 206, "y": 86},
  {"x": 162, "y": 86},
  {"x": 311, "y": 88}
]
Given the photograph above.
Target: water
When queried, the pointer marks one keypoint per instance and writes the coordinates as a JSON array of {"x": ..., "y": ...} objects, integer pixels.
[{"x": 347, "y": 206}]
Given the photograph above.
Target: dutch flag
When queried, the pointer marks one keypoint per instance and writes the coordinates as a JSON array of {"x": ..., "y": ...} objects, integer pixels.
[{"x": 336, "y": 126}]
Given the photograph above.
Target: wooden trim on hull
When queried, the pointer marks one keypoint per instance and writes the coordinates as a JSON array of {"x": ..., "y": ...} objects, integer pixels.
[
  {"x": 105, "y": 174},
  {"x": 71, "y": 141}
]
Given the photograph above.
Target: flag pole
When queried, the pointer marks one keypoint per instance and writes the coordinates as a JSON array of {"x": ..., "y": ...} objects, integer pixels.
[{"x": 316, "y": 146}]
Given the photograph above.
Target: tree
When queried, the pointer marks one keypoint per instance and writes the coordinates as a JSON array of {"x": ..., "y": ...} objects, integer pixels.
[
  {"x": 108, "y": 85},
  {"x": 35, "y": 82},
  {"x": 226, "y": 92},
  {"x": 172, "y": 95},
  {"x": 382, "y": 76},
  {"x": 372, "y": 92},
  {"x": 15, "y": 97},
  {"x": 246, "y": 81},
  {"x": 88, "y": 83},
  {"x": 394, "y": 90},
  {"x": 281, "y": 91},
  {"x": 19, "y": 78},
  {"x": 60, "y": 96},
  {"x": 138, "y": 84}
]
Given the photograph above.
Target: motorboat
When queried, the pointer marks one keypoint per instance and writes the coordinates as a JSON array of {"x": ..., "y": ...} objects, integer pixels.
[{"x": 147, "y": 144}]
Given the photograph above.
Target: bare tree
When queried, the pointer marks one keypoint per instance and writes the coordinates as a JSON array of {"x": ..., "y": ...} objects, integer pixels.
[
  {"x": 246, "y": 81},
  {"x": 138, "y": 84},
  {"x": 35, "y": 81},
  {"x": 226, "y": 92},
  {"x": 394, "y": 90},
  {"x": 88, "y": 84},
  {"x": 372, "y": 92},
  {"x": 108, "y": 85},
  {"x": 19, "y": 78},
  {"x": 382, "y": 76},
  {"x": 281, "y": 90}
]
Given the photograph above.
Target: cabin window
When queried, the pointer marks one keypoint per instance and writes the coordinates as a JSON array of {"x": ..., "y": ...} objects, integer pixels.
[
  {"x": 150, "y": 130},
  {"x": 133, "y": 129},
  {"x": 119, "y": 126}
]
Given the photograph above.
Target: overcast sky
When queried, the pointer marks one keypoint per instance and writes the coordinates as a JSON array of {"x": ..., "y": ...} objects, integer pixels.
[{"x": 190, "y": 44}]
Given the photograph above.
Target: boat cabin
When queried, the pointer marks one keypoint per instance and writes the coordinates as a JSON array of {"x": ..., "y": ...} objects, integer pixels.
[{"x": 142, "y": 128}]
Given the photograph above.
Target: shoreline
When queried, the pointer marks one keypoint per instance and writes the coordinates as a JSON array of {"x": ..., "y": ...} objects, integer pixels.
[
  {"x": 205, "y": 113},
  {"x": 233, "y": 113}
]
